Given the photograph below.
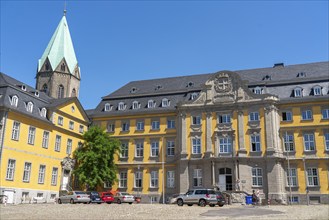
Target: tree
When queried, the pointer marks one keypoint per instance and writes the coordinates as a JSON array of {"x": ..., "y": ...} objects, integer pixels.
[{"x": 95, "y": 158}]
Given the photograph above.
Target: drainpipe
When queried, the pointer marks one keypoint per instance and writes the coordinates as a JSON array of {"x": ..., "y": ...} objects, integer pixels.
[{"x": 3, "y": 133}]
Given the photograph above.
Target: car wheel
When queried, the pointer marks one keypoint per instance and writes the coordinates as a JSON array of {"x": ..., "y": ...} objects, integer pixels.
[
  {"x": 72, "y": 201},
  {"x": 202, "y": 203},
  {"x": 180, "y": 202},
  {"x": 221, "y": 205},
  {"x": 85, "y": 202},
  {"x": 212, "y": 205},
  {"x": 119, "y": 201},
  {"x": 130, "y": 203},
  {"x": 99, "y": 203},
  {"x": 189, "y": 204},
  {"x": 59, "y": 201}
]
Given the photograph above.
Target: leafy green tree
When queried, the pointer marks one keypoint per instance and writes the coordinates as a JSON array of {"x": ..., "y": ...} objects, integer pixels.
[{"x": 95, "y": 158}]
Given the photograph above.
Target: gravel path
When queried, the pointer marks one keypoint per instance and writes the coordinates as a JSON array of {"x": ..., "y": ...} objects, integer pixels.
[{"x": 158, "y": 211}]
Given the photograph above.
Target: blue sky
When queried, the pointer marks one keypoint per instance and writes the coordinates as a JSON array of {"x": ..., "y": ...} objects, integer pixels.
[{"x": 121, "y": 41}]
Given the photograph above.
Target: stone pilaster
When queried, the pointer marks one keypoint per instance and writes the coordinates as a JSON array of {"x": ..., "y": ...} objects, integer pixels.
[
  {"x": 276, "y": 181},
  {"x": 183, "y": 176},
  {"x": 182, "y": 134},
  {"x": 208, "y": 152},
  {"x": 242, "y": 148},
  {"x": 272, "y": 130}
]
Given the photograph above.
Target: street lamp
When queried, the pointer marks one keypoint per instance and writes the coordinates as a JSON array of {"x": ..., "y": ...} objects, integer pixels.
[
  {"x": 289, "y": 171},
  {"x": 305, "y": 174}
]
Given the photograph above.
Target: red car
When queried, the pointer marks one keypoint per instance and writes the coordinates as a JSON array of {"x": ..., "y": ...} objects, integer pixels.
[{"x": 107, "y": 197}]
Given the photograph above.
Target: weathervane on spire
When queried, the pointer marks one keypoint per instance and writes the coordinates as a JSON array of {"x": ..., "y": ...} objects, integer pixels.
[{"x": 64, "y": 8}]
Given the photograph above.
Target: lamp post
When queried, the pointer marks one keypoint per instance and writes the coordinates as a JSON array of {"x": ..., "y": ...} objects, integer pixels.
[
  {"x": 289, "y": 171},
  {"x": 305, "y": 174}
]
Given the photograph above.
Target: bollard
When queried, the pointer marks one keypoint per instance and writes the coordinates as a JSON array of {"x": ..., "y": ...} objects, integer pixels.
[{"x": 268, "y": 202}]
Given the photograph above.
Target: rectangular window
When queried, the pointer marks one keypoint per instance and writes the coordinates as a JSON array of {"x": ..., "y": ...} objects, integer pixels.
[
  {"x": 58, "y": 143},
  {"x": 224, "y": 119},
  {"x": 287, "y": 116},
  {"x": 225, "y": 145},
  {"x": 45, "y": 139},
  {"x": 81, "y": 129},
  {"x": 154, "y": 181},
  {"x": 307, "y": 115},
  {"x": 123, "y": 179},
  {"x": 197, "y": 177},
  {"x": 309, "y": 144},
  {"x": 293, "y": 199},
  {"x": 325, "y": 113},
  {"x": 31, "y": 135},
  {"x": 125, "y": 126},
  {"x": 139, "y": 149},
  {"x": 124, "y": 150},
  {"x": 69, "y": 147},
  {"x": 71, "y": 125},
  {"x": 27, "y": 172},
  {"x": 155, "y": 125},
  {"x": 15, "y": 131},
  {"x": 196, "y": 120},
  {"x": 110, "y": 127},
  {"x": 257, "y": 177},
  {"x": 326, "y": 141},
  {"x": 312, "y": 177},
  {"x": 41, "y": 177},
  {"x": 140, "y": 126},
  {"x": 196, "y": 145},
  {"x": 138, "y": 179},
  {"x": 253, "y": 116},
  {"x": 170, "y": 179},
  {"x": 10, "y": 169},
  {"x": 54, "y": 175},
  {"x": 60, "y": 120},
  {"x": 292, "y": 177},
  {"x": 155, "y": 148},
  {"x": 170, "y": 148},
  {"x": 170, "y": 124},
  {"x": 288, "y": 143},
  {"x": 255, "y": 142}
]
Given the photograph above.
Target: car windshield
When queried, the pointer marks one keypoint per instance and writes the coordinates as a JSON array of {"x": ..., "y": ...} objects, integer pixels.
[
  {"x": 125, "y": 194},
  {"x": 94, "y": 193},
  {"x": 189, "y": 192},
  {"x": 106, "y": 194},
  {"x": 80, "y": 193}
]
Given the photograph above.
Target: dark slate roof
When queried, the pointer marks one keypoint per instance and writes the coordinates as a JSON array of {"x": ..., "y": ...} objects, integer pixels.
[{"x": 279, "y": 80}]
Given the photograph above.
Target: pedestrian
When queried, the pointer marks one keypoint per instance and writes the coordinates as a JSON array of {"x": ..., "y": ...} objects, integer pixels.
[
  {"x": 254, "y": 197},
  {"x": 5, "y": 200}
]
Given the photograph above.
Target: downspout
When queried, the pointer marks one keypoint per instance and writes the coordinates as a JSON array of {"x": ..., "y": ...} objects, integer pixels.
[{"x": 3, "y": 133}]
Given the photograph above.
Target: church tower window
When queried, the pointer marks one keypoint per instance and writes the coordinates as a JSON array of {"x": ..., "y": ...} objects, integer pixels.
[
  {"x": 63, "y": 67},
  {"x": 60, "y": 93},
  {"x": 74, "y": 93},
  {"x": 44, "y": 88}
]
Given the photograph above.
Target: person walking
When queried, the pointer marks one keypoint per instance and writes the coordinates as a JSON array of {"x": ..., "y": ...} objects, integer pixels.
[{"x": 254, "y": 198}]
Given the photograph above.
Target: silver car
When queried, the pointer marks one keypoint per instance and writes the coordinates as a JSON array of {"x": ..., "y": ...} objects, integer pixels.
[
  {"x": 73, "y": 197},
  {"x": 202, "y": 197},
  {"x": 121, "y": 197}
]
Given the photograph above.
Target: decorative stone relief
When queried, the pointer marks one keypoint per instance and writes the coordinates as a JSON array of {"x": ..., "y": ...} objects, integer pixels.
[{"x": 68, "y": 163}]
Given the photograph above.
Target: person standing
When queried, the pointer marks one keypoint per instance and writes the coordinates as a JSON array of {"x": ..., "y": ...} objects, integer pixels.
[{"x": 254, "y": 197}]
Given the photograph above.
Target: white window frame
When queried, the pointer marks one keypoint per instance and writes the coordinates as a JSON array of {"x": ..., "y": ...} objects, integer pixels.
[
  {"x": 194, "y": 96},
  {"x": 254, "y": 116},
  {"x": 312, "y": 176},
  {"x": 224, "y": 119},
  {"x": 325, "y": 113},
  {"x": 135, "y": 105},
  {"x": 139, "y": 149},
  {"x": 154, "y": 148},
  {"x": 288, "y": 142},
  {"x": 110, "y": 127},
  {"x": 45, "y": 139},
  {"x": 255, "y": 142},
  {"x": 138, "y": 179},
  {"x": 27, "y": 172},
  {"x": 31, "y": 135},
  {"x": 54, "y": 176},
  {"x": 58, "y": 142},
  {"x": 15, "y": 130},
  {"x": 225, "y": 144},
  {"x": 124, "y": 150},
  {"x": 257, "y": 176},
  {"x": 196, "y": 120},
  {"x": 14, "y": 101},
  {"x": 170, "y": 179},
  {"x": 165, "y": 103},
  {"x": 151, "y": 104},
  {"x": 107, "y": 107},
  {"x": 125, "y": 126},
  {"x": 155, "y": 125},
  {"x": 196, "y": 145},
  {"x": 170, "y": 146},
  {"x": 286, "y": 116},
  {"x": 197, "y": 178},
  {"x": 81, "y": 129},
  {"x": 258, "y": 90},
  {"x": 69, "y": 144},
  {"x": 292, "y": 177},
  {"x": 171, "y": 124},
  {"x": 140, "y": 125},
  {"x": 43, "y": 112},
  {"x": 154, "y": 179},
  {"x": 42, "y": 173},
  {"x": 11, "y": 169},
  {"x": 71, "y": 125},
  {"x": 123, "y": 179},
  {"x": 307, "y": 114},
  {"x": 309, "y": 141},
  {"x": 317, "y": 90},
  {"x": 60, "y": 120},
  {"x": 121, "y": 106},
  {"x": 29, "y": 107},
  {"x": 298, "y": 92}
]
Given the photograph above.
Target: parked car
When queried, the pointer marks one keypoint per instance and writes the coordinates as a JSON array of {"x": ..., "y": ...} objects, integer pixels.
[
  {"x": 107, "y": 197},
  {"x": 121, "y": 197},
  {"x": 173, "y": 199},
  {"x": 73, "y": 197},
  {"x": 202, "y": 197},
  {"x": 220, "y": 199},
  {"x": 94, "y": 197}
]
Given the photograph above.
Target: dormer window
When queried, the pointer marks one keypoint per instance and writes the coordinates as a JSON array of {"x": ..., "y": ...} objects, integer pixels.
[
  {"x": 43, "y": 112},
  {"x": 298, "y": 92},
  {"x": 29, "y": 107},
  {"x": 63, "y": 67},
  {"x": 107, "y": 107},
  {"x": 258, "y": 90},
  {"x": 133, "y": 90},
  {"x": 23, "y": 87},
  {"x": 301, "y": 74},
  {"x": 44, "y": 88},
  {"x": 136, "y": 105},
  {"x": 190, "y": 84},
  {"x": 158, "y": 87},
  {"x": 151, "y": 104},
  {"x": 165, "y": 103},
  {"x": 317, "y": 90},
  {"x": 121, "y": 106},
  {"x": 194, "y": 95},
  {"x": 36, "y": 93},
  {"x": 267, "y": 77},
  {"x": 14, "y": 100}
]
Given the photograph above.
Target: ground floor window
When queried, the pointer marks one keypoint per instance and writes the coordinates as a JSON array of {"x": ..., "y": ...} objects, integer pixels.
[
  {"x": 294, "y": 199},
  {"x": 257, "y": 177},
  {"x": 312, "y": 177},
  {"x": 138, "y": 179},
  {"x": 170, "y": 179},
  {"x": 197, "y": 177}
]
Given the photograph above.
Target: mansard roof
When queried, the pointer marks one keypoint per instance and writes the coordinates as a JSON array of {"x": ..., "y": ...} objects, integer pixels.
[{"x": 60, "y": 47}]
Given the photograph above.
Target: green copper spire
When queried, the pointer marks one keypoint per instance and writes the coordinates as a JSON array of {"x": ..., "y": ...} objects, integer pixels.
[{"x": 60, "y": 47}]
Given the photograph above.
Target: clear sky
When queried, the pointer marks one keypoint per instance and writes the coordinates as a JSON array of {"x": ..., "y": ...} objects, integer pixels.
[{"x": 121, "y": 41}]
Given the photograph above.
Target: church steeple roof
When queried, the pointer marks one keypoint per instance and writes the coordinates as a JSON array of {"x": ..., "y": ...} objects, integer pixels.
[{"x": 60, "y": 47}]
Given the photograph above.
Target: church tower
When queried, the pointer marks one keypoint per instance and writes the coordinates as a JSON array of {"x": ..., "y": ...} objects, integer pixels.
[{"x": 58, "y": 72}]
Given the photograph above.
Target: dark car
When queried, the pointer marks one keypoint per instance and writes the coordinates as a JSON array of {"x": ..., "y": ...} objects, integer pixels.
[
  {"x": 95, "y": 198},
  {"x": 220, "y": 199}
]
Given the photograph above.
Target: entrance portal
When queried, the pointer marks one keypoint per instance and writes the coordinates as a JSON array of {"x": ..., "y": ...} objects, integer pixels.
[{"x": 225, "y": 179}]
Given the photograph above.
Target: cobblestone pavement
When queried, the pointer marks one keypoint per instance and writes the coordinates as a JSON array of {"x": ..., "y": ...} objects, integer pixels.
[{"x": 159, "y": 211}]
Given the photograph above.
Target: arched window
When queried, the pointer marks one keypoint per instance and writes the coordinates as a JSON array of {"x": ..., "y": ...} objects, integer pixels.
[
  {"x": 107, "y": 107},
  {"x": 60, "y": 93},
  {"x": 165, "y": 103},
  {"x": 121, "y": 106},
  {"x": 317, "y": 90},
  {"x": 74, "y": 93},
  {"x": 150, "y": 104},
  {"x": 298, "y": 92},
  {"x": 135, "y": 105},
  {"x": 258, "y": 90},
  {"x": 43, "y": 112},
  {"x": 29, "y": 107},
  {"x": 14, "y": 100},
  {"x": 44, "y": 88},
  {"x": 63, "y": 67},
  {"x": 194, "y": 95}
]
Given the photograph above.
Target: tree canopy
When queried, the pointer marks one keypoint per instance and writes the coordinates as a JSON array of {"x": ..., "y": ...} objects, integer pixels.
[{"x": 95, "y": 158}]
